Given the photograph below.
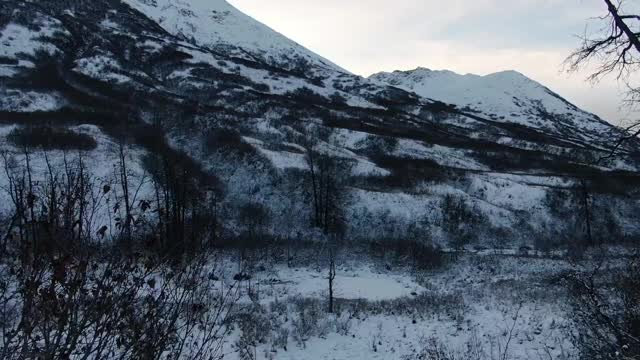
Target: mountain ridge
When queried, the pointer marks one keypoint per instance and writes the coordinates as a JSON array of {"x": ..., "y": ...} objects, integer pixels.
[
  {"x": 252, "y": 120},
  {"x": 506, "y": 96},
  {"x": 226, "y": 26}
]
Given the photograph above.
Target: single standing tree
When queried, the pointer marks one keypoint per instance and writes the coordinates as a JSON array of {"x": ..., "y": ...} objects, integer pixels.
[
  {"x": 327, "y": 182},
  {"x": 332, "y": 273}
]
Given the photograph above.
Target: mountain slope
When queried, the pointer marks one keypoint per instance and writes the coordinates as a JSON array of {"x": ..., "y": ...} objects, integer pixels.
[
  {"x": 507, "y": 97},
  {"x": 217, "y": 25},
  {"x": 245, "y": 105}
]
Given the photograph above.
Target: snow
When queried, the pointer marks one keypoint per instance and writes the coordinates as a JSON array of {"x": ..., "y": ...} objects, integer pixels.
[
  {"x": 444, "y": 156},
  {"x": 507, "y": 193},
  {"x": 100, "y": 162},
  {"x": 480, "y": 300},
  {"x": 8, "y": 71},
  {"x": 109, "y": 24},
  {"x": 506, "y": 96},
  {"x": 152, "y": 44},
  {"x": 102, "y": 67},
  {"x": 373, "y": 287},
  {"x": 30, "y": 101},
  {"x": 296, "y": 160},
  {"x": 348, "y": 138},
  {"x": 279, "y": 159},
  {"x": 476, "y": 299},
  {"x": 367, "y": 168},
  {"x": 217, "y": 24},
  {"x": 16, "y": 39},
  {"x": 494, "y": 93},
  {"x": 285, "y": 159},
  {"x": 276, "y": 84},
  {"x": 397, "y": 204},
  {"x": 361, "y": 282},
  {"x": 180, "y": 74}
]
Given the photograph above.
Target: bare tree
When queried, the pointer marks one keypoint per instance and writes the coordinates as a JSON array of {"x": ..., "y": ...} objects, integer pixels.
[
  {"x": 186, "y": 201},
  {"x": 605, "y": 297},
  {"x": 123, "y": 177},
  {"x": 327, "y": 176},
  {"x": 586, "y": 207},
  {"x": 615, "y": 49},
  {"x": 73, "y": 303},
  {"x": 332, "y": 274}
]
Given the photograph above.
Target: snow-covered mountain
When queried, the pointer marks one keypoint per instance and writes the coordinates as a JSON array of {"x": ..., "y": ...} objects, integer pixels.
[
  {"x": 507, "y": 96},
  {"x": 245, "y": 104},
  {"x": 219, "y": 26}
]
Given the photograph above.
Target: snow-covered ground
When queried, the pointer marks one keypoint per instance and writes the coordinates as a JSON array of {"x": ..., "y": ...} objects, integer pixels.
[
  {"x": 21, "y": 43},
  {"x": 361, "y": 282},
  {"x": 502, "y": 307},
  {"x": 30, "y": 101},
  {"x": 385, "y": 313}
]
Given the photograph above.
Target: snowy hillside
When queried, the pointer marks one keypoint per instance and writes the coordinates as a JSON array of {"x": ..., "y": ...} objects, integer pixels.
[
  {"x": 189, "y": 184},
  {"x": 507, "y": 96},
  {"x": 249, "y": 106},
  {"x": 219, "y": 26}
]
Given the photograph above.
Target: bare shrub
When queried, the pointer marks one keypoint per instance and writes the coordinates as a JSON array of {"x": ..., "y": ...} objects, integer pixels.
[
  {"x": 460, "y": 220},
  {"x": 605, "y": 302},
  {"x": 434, "y": 350},
  {"x": 422, "y": 255},
  {"x": 255, "y": 329},
  {"x": 86, "y": 306},
  {"x": 227, "y": 141},
  {"x": 64, "y": 296},
  {"x": 307, "y": 321},
  {"x": 281, "y": 338},
  {"x": 343, "y": 323},
  {"x": 379, "y": 146}
]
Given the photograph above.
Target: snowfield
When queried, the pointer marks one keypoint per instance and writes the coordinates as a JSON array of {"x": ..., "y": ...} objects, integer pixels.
[
  {"x": 30, "y": 101},
  {"x": 395, "y": 313},
  {"x": 351, "y": 284}
]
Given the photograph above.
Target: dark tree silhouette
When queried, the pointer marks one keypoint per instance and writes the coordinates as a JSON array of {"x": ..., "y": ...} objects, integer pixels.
[
  {"x": 616, "y": 47},
  {"x": 615, "y": 50}
]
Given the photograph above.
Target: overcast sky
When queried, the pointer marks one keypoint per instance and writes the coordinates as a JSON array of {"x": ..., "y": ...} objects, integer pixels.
[{"x": 465, "y": 36}]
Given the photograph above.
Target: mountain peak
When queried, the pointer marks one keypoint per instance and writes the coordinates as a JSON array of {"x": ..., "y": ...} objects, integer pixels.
[
  {"x": 507, "y": 96},
  {"x": 218, "y": 25},
  {"x": 509, "y": 75},
  {"x": 424, "y": 71}
]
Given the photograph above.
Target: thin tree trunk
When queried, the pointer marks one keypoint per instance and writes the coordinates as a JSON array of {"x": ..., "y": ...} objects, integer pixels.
[
  {"x": 31, "y": 204},
  {"x": 316, "y": 205},
  {"x": 124, "y": 180},
  {"x": 332, "y": 275},
  {"x": 81, "y": 193},
  {"x": 587, "y": 211}
]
